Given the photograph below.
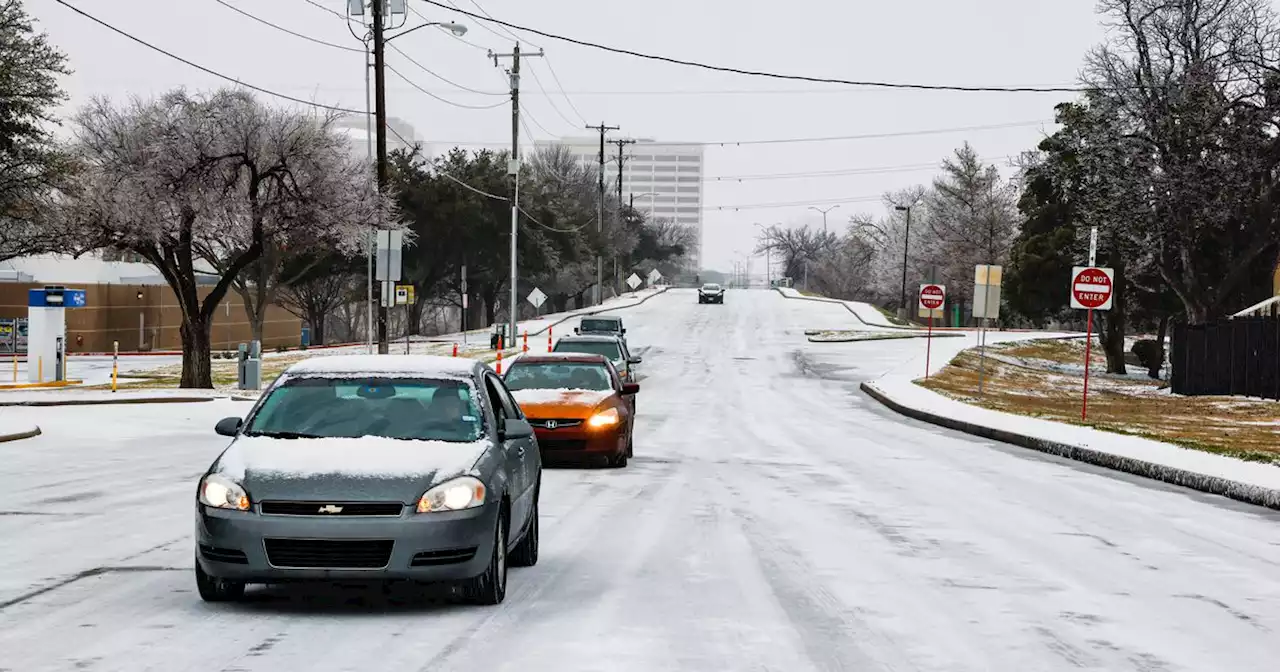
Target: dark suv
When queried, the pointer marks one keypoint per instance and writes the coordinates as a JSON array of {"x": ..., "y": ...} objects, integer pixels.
[{"x": 602, "y": 325}]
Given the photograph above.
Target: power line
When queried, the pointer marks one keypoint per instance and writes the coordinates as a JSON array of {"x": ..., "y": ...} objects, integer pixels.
[
  {"x": 444, "y": 100},
  {"x": 761, "y": 73},
  {"x": 286, "y": 30},
  {"x": 450, "y": 33},
  {"x": 562, "y": 92},
  {"x": 504, "y": 26},
  {"x": 551, "y": 101},
  {"x": 837, "y": 172},
  {"x": 442, "y": 77},
  {"x": 201, "y": 68},
  {"x": 792, "y": 204},
  {"x": 334, "y": 12}
]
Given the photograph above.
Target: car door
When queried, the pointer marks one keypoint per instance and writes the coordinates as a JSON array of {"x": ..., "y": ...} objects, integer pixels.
[
  {"x": 514, "y": 451},
  {"x": 531, "y": 458}
]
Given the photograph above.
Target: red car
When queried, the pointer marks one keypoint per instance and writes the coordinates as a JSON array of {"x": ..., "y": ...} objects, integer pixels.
[{"x": 579, "y": 406}]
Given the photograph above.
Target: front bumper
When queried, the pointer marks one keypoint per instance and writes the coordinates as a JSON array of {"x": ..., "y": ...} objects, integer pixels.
[
  {"x": 445, "y": 546},
  {"x": 711, "y": 298},
  {"x": 579, "y": 442}
]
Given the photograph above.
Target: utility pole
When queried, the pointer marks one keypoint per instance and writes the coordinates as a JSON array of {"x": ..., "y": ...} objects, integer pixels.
[
  {"x": 380, "y": 122},
  {"x": 599, "y": 294},
  {"x": 513, "y": 169},
  {"x": 617, "y": 280}
]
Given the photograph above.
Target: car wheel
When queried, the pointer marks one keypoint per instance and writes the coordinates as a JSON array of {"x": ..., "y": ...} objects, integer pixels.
[
  {"x": 618, "y": 461},
  {"x": 491, "y": 587},
  {"x": 213, "y": 589},
  {"x": 631, "y": 443},
  {"x": 526, "y": 553}
]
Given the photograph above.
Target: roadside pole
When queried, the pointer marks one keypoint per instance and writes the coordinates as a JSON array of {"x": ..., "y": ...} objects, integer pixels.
[
  {"x": 1092, "y": 288},
  {"x": 115, "y": 364},
  {"x": 932, "y": 297}
]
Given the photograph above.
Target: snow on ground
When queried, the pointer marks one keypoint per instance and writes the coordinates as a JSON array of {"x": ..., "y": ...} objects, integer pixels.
[
  {"x": 773, "y": 518},
  {"x": 14, "y": 423},
  {"x": 898, "y": 384},
  {"x": 866, "y": 313},
  {"x": 93, "y": 370}
]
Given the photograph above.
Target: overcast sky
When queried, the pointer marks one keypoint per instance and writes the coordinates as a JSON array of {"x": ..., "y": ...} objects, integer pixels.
[{"x": 967, "y": 42}]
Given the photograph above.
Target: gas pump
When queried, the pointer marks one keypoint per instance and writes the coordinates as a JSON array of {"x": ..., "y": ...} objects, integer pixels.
[
  {"x": 47, "y": 331},
  {"x": 249, "y": 366},
  {"x": 60, "y": 359}
]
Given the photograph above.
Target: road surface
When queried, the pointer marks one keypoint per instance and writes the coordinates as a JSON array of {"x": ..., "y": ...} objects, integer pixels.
[{"x": 773, "y": 519}]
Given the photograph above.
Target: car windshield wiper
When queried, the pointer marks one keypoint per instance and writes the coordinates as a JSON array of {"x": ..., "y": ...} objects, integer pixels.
[{"x": 283, "y": 435}]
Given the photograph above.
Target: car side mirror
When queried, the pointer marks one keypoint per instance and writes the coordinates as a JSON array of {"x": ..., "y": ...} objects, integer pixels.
[
  {"x": 629, "y": 389},
  {"x": 576, "y": 330},
  {"x": 635, "y": 360},
  {"x": 516, "y": 429},
  {"x": 228, "y": 426},
  {"x": 624, "y": 330}
]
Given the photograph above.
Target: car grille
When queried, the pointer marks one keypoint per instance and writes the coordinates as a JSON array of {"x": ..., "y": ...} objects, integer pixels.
[
  {"x": 562, "y": 444},
  {"x": 450, "y": 557},
  {"x": 560, "y": 423},
  {"x": 328, "y": 553},
  {"x": 348, "y": 508},
  {"x": 224, "y": 555}
]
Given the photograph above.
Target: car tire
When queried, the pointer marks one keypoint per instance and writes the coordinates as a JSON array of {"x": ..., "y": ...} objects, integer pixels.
[
  {"x": 618, "y": 461},
  {"x": 213, "y": 589},
  {"x": 526, "y": 553},
  {"x": 490, "y": 588},
  {"x": 631, "y": 443}
]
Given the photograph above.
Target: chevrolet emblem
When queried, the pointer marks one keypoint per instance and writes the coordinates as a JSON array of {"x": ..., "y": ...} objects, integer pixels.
[{"x": 330, "y": 508}]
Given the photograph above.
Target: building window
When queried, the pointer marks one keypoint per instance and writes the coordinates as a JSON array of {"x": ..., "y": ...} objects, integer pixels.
[
  {"x": 664, "y": 209},
  {"x": 690, "y": 169},
  {"x": 688, "y": 199},
  {"x": 666, "y": 157},
  {"x": 638, "y": 157},
  {"x": 690, "y": 159},
  {"x": 688, "y": 179},
  {"x": 665, "y": 199},
  {"x": 686, "y": 209},
  {"x": 664, "y": 190},
  {"x": 688, "y": 220},
  {"x": 664, "y": 169},
  {"x": 688, "y": 190}
]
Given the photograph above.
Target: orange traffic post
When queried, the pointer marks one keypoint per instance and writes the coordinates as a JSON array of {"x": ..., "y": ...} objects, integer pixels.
[
  {"x": 15, "y": 368},
  {"x": 39, "y": 368},
  {"x": 455, "y": 349},
  {"x": 499, "y": 362},
  {"x": 526, "y": 341},
  {"x": 548, "y": 339}
]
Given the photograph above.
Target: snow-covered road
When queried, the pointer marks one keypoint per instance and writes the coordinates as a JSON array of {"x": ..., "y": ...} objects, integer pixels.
[{"x": 774, "y": 518}]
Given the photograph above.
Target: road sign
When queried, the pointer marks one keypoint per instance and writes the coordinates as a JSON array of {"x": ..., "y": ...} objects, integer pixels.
[
  {"x": 1091, "y": 288},
  {"x": 932, "y": 296},
  {"x": 634, "y": 281},
  {"x": 654, "y": 276},
  {"x": 536, "y": 297},
  {"x": 986, "y": 291},
  {"x": 1093, "y": 245},
  {"x": 404, "y": 295},
  {"x": 389, "y": 255}
]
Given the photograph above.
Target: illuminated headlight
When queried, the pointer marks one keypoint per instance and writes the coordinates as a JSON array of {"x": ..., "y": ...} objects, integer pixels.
[
  {"x": 605, "y": 418},
  {"x": 222, "y": 493},
  {"x": 460, "y": 493}
]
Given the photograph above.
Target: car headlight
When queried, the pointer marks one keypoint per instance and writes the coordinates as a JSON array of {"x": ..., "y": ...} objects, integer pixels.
[
  {"x": 605, "y": 418},
  {"x": 461, "y": 493},
  {"x": 221, "y": 492}
]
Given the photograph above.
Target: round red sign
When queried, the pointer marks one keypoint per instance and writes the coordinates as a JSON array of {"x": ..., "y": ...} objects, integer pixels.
[
  {"x": 1091, "y": 288},
  {"x": 932, "y": 297}
]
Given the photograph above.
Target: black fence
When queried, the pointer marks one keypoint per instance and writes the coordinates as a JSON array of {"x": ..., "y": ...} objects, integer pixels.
[{"x": 1239, "y": 357}]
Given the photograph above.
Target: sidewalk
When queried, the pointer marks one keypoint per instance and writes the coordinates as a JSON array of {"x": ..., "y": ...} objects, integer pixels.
[{"x": 1251, "y": 482}]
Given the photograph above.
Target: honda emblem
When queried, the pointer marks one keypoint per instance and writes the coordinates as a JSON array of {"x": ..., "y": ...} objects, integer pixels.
[{"x": 552, "y": 424}]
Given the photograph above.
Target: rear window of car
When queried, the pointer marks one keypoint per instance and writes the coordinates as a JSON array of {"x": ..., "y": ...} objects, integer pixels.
[
  {"x": 395, "y": 408},
  {"x": 601, "y": 325},
  {"x": 558, "y": 376},
  {"x": 609, "y": 349}
]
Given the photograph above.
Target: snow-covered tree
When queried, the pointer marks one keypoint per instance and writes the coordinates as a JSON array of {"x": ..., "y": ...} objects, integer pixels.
[{"x": 213, "y": 180}]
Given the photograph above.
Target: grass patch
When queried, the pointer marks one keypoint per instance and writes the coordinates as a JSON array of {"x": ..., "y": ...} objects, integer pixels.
[{"x": 1246, "y": 429}]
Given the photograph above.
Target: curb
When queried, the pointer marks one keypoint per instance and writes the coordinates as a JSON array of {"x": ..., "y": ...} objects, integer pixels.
[
  {"x": 106, "y": 402},
  {"x": 20, "y": 435},
  {"x": 811, "y": 339},
  {"x": 1214, "y": 485},
  {"x": 844, "y": 305}
]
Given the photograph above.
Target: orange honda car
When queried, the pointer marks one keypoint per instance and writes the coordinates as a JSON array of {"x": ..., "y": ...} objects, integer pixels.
[{"x": 579, "y": 406}]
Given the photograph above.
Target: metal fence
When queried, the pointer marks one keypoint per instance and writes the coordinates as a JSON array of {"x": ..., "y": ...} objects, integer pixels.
[{"x": 1239, "y": 356}]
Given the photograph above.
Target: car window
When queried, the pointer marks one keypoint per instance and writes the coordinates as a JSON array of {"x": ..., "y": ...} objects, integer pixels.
[
  {"x": 558, "y": 376},
  {"x": 504, "y": 407},
  {"x": 600, "y": 325},
  {"x": 609, "y": 349},
  {"x": 395, "y": 408},
  {"x": 711, "y": 287}
]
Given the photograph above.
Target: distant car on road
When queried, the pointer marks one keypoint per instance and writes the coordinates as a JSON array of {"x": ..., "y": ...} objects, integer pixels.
[
  {"x": 607, "y": 325},
  {"x": 711, "y": 293},
  {"x": 610, "y": 346},
  {"x": 578, "y": 405},
  {"x": 364, "y": 468}
]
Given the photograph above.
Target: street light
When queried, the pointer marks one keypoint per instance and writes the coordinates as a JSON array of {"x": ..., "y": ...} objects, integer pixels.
[
  {"x": 824, "y": 214},
  {"x": 906, "y": 245},
  {"x": 455, "y": 28}
]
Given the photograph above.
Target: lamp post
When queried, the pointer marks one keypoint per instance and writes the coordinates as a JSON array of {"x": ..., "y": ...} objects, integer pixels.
[
  {"x": 906, "y": 245},
  {"x": 824, "y": 214}
]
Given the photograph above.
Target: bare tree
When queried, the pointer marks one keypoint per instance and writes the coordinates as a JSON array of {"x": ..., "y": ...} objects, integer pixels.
[
  {"x": 212, "y": 179},
  {"x": 797, "y": 248}
]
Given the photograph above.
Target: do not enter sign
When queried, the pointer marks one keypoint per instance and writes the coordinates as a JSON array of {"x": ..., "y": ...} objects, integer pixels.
[
  {"x": 932, "y": 296},
  {"x": 1091, "y": 288}
]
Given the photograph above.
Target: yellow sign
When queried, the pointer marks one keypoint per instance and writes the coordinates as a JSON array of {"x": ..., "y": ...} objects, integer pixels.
[{"x": 404, "y": 295}]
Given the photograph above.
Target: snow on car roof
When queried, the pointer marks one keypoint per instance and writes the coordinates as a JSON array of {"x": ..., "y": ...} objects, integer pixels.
[
  {"x": 400, "y": 365},
  {"x": 562, "y": 356},
  {"x": 591, "y": 338}
]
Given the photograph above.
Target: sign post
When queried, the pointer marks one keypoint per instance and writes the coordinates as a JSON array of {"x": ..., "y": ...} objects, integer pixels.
[
  {"x": 634, "y": 281},
  {"x": 1091, "y": 289},
  {"x": 654, "y": 277},
  {"x": 986, "y": 306},
  {"x": 537, "y": 298},
  {"x": 932, "y": 297}
]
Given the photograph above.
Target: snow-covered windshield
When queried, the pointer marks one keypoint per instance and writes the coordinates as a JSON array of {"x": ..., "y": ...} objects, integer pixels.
[
  {"x": 558, "y": 376},
  {"x": 420, "y": 409},
  {"x": 609, "y": 349},
  {"x": 600, "y": 325},
  {"x": 711, "y": 288}
]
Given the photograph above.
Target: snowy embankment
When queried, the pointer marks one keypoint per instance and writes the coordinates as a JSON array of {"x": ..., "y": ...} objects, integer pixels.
[
  {"x": 866, "y": 313},
  {"x": 1251, "y": 482}
]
